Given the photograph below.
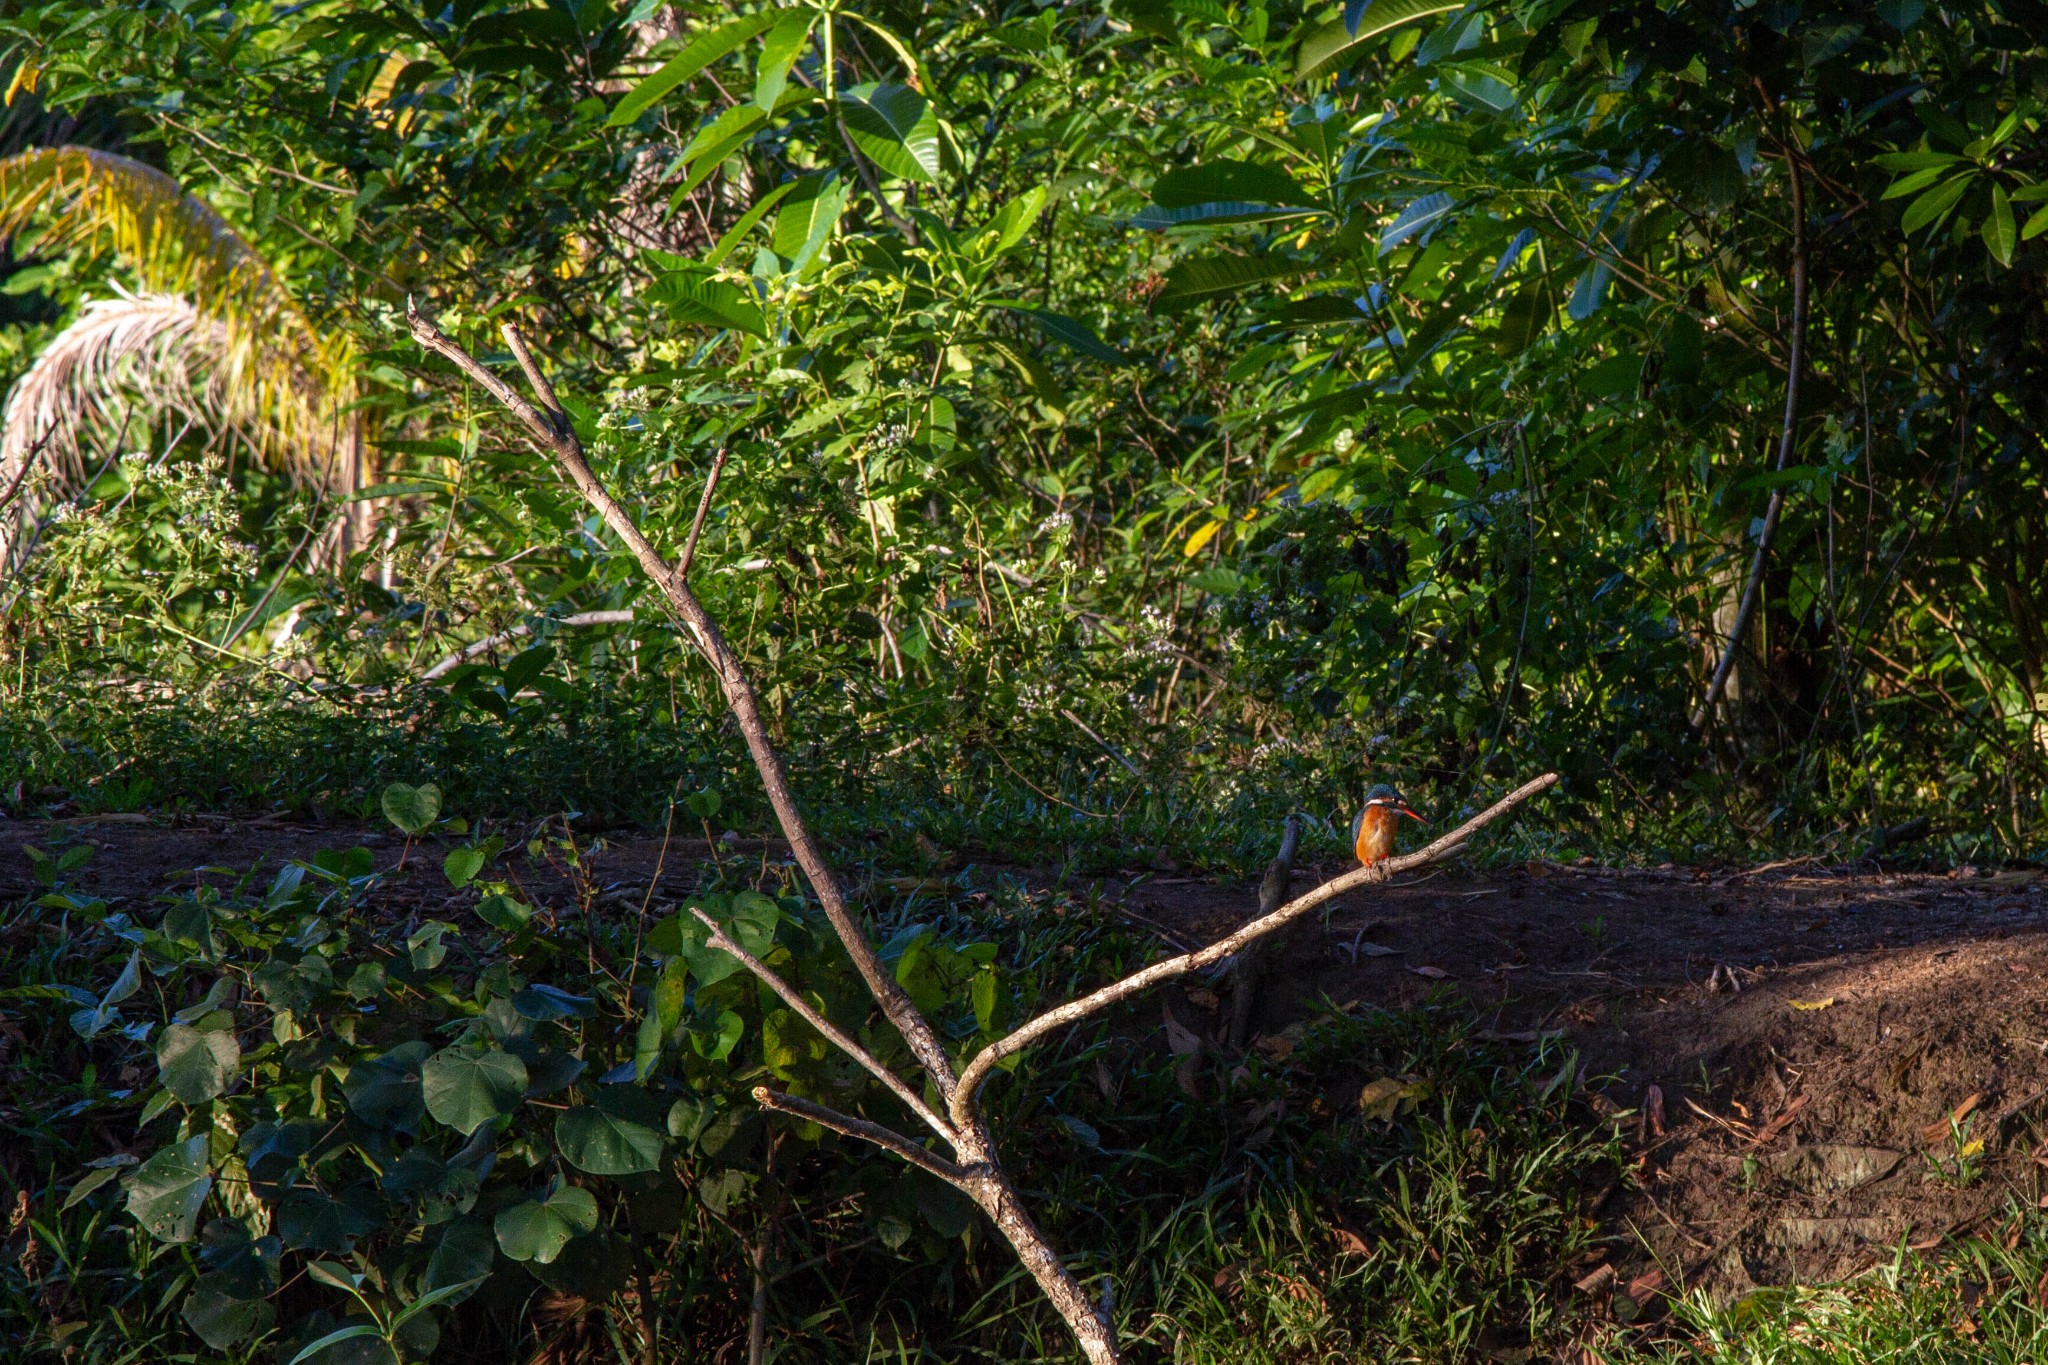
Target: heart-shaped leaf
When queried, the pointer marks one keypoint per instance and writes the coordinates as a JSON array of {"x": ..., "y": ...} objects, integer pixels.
[
  {"x": 195, "y": 1064},
  {"x": 166, "y": 1191},
  {"x": 538, "y": 1229},
  {"x": 465, "y": 1088},
  {"x": 606, "y": 1144},
  {"x": 412, "y": 809}
]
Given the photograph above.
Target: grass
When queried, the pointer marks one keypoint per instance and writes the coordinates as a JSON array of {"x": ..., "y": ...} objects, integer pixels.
[
  {"x": 1047, "y": 798},
  {"x": 1978, "y": 1303}
]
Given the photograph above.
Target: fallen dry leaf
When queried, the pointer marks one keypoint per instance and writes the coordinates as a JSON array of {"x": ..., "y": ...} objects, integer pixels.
[
  {"x": 1653, "y": 1111},
  {"x": 1350, "y": 1243},
  {"x": 1813, "y": 1004},
  {"x": 1274, "y": 1045},
  {"x": 1382, "y": 1098},
  {"x": 1938, "y": 1131},
  {"x": 1433, "y": 973},
  {"x": 1645, "y": 1284},
  {"x": 1203, "y": 999},
  {"x": 1596, "y": 1280},
  {"x": 1777, "y": 1125},
  {"x": 1183, "y": 1040}
]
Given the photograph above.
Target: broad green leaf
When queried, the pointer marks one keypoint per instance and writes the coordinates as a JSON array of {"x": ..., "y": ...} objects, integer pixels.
[
  {"x": 1480, "y": 89},
  {"x": 1201, "y": 278},
  {"x": 1336, "y": 44},
  {"x": 895, "y": 128},
  {"x": 778, "y": 53},
  {"x": 2000, "y": 232},
  {"x": 412, "y": 809},
  {"x": 1935, "y": 204},
  {"x": 195, "y": 1064},
  {"x": 717, "y": 1045},
  {"x": 788, "y": 1043},
  {"x": 807, "y": 219},
  {"x": 538, "y": 1229},
  {"x": 1914, "y": 161},
  {"x": 2036, "y": 225},
  {"x": 541, "y": 1003},
  {"x": 384, "y": 1092},
  {"x": 465, "y": 1089},
  {"x": 1417, "y": 216},
  {"x": 462, "y": 865},
  {"x": 603, "y": 1143},
  {"x": 222, "y": 1321},
  {"x": 167, "y": 1191},
  {"x": 1917, "y": 180},
  {"x": 749, "y": 220},
  {"x": 719, "y": 136},
  {"x": 1016, "y": 218},
  {"x": 1228, "y": 181},
  {"x": 1156, "y": 219},
  {"x": 693, "y": 297},
  {"x": 1590, "y": 292},
  {"x": 1071, "y": 332},
  {"x": 1523, "y": 320},
  {"x": 464, "y": 1255},
  {"x": 703, "y": 50}
]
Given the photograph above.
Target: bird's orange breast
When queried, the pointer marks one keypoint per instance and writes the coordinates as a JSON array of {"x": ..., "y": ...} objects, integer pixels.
[{"x": 1376, "y": 834}]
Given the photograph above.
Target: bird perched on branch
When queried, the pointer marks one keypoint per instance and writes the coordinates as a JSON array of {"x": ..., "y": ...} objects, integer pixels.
[{"x": 1372, "y": 833}]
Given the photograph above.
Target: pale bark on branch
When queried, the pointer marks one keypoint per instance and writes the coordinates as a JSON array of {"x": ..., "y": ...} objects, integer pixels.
[
  {"x": 965, "y": 1104},
  {"x": 977, "y": 1169}
]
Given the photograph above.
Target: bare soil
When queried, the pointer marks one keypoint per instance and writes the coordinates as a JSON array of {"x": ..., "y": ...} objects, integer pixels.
[{"x": 1787, "y": 1046}]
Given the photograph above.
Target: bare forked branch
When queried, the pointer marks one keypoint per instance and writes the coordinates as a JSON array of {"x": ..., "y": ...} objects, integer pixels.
[
  {"x": 977, "y": 1169},
  {"x": 560, "y": 441},
  {"x": 794, "y": 999},
  {"x": 965, "y": 1105}
]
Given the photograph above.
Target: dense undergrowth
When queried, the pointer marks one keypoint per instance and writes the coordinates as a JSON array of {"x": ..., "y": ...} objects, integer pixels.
[{"x": 295, "y": 1104}]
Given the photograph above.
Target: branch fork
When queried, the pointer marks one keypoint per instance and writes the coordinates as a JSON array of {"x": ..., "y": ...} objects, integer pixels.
[{"x": 975, "y": 1167}]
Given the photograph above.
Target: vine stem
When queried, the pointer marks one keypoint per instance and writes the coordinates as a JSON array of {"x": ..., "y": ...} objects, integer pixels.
[{"x": 1752, "y": 588}]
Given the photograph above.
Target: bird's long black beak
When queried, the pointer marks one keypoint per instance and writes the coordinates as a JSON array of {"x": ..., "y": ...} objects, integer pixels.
[{"x": 1412, "y": 816}]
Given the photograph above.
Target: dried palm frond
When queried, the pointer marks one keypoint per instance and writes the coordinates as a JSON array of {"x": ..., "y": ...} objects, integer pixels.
[
  {"x": 143, "y": 347},
  {"x": 267, "y": 370}
]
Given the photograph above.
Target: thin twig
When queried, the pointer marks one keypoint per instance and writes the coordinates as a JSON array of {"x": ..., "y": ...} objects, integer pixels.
[
  {"x": 621, "y": 617},
  {"x": 964, "y": 1098},
  {"x": 697, "y": 522},
  {"x": 534, "y": 378},
  {"x": 920, "y": 1157},
  {"x": 795, "y": 1000}
]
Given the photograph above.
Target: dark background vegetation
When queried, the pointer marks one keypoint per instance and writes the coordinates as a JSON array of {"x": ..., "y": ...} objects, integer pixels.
[{"x": 1145, "y": 419}]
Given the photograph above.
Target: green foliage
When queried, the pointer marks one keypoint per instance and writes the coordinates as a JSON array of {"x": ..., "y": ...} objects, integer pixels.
[{"x": 377, "y": 1103}]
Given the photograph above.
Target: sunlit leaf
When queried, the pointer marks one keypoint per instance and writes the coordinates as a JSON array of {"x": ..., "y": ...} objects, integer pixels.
[{"x": 895, "y": 128}]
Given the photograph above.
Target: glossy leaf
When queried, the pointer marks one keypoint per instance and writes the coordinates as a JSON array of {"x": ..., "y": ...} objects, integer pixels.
[
  {"x": 465, "y": 1088},
  {"x": 703, "y": 50},
  {"x": 895, "y": 128},
  {"x": 594, "y": 1140},
  {"x": 538, "y": 1229}
]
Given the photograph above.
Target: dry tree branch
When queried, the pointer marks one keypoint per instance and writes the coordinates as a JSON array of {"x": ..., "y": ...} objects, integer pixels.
[
  {"x": 623, "y": 616},
  {"x": 978, "y": 1171},
  {"x": 886, "y": 1138},
  {"x": 792, "y": 997},
  {"x": 965, "y": 1107}
]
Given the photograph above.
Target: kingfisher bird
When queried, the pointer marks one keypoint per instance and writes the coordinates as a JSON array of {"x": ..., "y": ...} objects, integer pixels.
[{"x": 1372, "y": 833}]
